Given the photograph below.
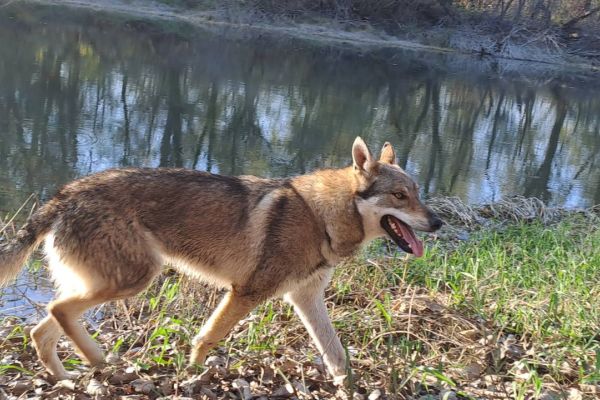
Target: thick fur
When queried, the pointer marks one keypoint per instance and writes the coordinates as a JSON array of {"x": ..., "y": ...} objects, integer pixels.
[
  {"x": 109, "y": 234},
  {"x": 15, "y": 252}
]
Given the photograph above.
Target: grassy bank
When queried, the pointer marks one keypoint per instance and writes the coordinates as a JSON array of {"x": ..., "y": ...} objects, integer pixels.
[{"x": 504, "y": 304}]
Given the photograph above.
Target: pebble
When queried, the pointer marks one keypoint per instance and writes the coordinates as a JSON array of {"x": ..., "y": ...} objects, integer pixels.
[
  {"x": 192, "y": 385},
  {"x": 282, "y": 391},
  {"x": 216, "y": 361},
  {"x": 549, "y": 395},
  {"x": 446, "y": 394},
  {"x": 574, "y": 394},
  {"x": 166, "y": 387},
  {"x": 144, "y": 386},
  {"x": 472, "y": 371},
  {"x": 244, "y": 387},
  {"x": 120, "y": 377}
]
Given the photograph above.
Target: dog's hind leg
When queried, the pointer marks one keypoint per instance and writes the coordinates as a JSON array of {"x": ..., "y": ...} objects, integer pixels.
[
  {"x": 66, "y": 311},
  {"x": 45, "y": 336},
  {"x": 232, "y": 308},
  {"x": 62, "y": 318},
  {"x": 64, "y": 315},
  {"x": 87, "y": 277},
  {"x": 309, "y": 304}
]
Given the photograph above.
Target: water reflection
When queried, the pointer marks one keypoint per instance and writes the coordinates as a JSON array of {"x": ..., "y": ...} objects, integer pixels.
[{"x": 84, "y": 94}]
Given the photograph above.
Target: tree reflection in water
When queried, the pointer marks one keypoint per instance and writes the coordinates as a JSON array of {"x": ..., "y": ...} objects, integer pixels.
[{"x": 78, "y": 97}]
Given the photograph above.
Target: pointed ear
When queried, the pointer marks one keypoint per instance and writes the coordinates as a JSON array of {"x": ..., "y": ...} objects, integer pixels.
[
  {"x": 361, "y": 154},
  {"x": 388, "y": 155}
]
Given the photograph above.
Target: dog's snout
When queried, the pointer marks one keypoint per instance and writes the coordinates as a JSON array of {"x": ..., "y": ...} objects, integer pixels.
[{"x": 436, "y": 223}]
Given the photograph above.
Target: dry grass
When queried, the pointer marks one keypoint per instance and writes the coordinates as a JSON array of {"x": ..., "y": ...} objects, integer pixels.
[{"x": 512, "y": 209}]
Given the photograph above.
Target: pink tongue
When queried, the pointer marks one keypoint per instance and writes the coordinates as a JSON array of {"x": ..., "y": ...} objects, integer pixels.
[{"x": 415, "y": 244}]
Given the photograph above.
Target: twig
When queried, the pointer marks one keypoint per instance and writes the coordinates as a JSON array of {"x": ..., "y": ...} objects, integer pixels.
[{"x": 16, "y": 213}]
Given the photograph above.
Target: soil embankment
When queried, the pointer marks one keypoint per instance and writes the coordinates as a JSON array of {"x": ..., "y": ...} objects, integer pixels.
[{"x": 482, "y": 35}]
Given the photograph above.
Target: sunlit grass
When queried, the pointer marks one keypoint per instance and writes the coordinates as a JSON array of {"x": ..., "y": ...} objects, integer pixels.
[
  {"x": 537, "y": 281},
  {"x": 530, "y": 292}
]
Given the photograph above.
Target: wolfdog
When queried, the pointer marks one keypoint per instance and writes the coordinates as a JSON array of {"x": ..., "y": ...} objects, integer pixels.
[{"x": 108, "y": 235}]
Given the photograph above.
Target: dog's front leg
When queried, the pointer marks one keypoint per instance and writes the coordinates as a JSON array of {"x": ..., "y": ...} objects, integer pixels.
[
  {"x": 233, "y": 307},
  {"x": 309, "y": 304}
]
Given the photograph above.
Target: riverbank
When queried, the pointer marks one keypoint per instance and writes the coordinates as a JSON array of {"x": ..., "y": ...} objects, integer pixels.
[
  {"x": 518, "y": 44},
  {"x": 504, "y": 304}
]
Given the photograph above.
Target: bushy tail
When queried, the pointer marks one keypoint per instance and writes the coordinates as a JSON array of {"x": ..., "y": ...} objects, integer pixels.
[{"x": 15, "y": 252}]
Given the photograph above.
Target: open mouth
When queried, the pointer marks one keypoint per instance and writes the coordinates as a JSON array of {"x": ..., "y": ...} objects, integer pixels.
[{"x": 402, "y": 235}]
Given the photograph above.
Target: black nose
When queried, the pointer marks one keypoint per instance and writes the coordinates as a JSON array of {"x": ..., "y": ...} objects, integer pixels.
[{"x": 436, "y": 223}]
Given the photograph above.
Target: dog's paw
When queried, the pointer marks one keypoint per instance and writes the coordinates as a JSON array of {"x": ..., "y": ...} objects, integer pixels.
[{"x": 67, "y": 376}]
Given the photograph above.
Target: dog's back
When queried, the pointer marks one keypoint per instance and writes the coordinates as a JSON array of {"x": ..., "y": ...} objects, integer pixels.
[{"x": 220, "y": 228}]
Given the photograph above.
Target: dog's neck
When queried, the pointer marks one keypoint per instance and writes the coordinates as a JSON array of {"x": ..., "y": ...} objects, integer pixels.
[{"x": 330, "y": 194}]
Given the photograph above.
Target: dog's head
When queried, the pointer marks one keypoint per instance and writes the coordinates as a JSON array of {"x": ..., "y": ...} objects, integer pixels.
[{"x": 388, "y": 199}]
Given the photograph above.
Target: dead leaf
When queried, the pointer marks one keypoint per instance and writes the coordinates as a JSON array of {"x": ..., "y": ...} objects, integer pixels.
[{"x": 21, "y": 387}]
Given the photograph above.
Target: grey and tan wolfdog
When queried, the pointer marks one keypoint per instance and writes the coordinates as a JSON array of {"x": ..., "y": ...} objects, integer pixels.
[{"x": 109, "y": 234}]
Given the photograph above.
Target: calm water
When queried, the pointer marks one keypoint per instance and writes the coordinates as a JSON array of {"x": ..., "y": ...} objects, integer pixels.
[{"x": 80, "y": 93}]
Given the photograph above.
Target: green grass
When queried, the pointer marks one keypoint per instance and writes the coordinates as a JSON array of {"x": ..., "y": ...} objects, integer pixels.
[
  {"x": 521, "y": 302},
  {"x": 532, "y": 280}
]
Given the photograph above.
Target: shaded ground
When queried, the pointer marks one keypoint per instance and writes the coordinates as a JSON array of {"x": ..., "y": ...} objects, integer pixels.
[{"x": 504, "y": 304}]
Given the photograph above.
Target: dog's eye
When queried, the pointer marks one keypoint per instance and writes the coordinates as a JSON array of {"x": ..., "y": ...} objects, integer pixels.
[{"x": 399, "y": 195}]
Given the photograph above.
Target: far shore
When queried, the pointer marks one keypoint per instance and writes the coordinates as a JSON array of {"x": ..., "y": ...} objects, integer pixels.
[{"x": 362, "y": 38}]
